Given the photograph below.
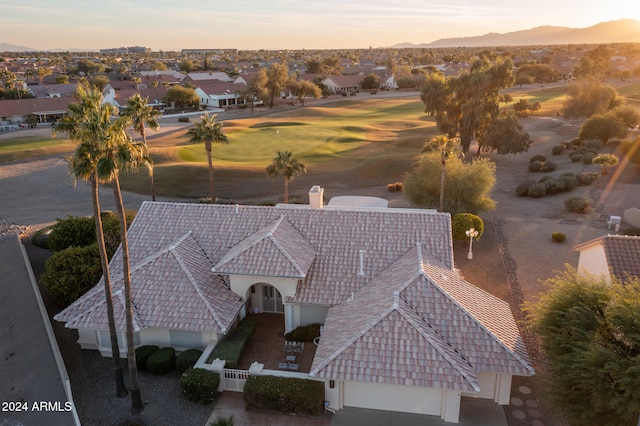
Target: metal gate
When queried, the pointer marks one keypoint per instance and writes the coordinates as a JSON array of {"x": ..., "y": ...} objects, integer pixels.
[{"x": 234, "y": 380}]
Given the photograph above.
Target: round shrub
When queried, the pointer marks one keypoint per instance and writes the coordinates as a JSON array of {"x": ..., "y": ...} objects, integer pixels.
[
  {"x": 568, "y": 174},
  {"x": 586, "y": 178},
  {"x": 558, "y": 237},
  {"x": 578, "y": 204},
  {"x": 540, "y": 157},
  {"x": 535, "y": 166},
  {"x": 142, "y": 354},
  {"x": 522, "y": 188},
  {"x": 593, "y": 144},
  {"x": 187, "y": 359},
  {"x": 74, "y": 231},
  {"x": 41, "y": 237},
  {"x": 570, "y": 182},
  {"x": 161, "y": 361},
  {"x": 199, "y": 385},
  {"x": 558, "y": 149},
  {"x": 575, "y": 158},
  {"x": 543, "y": 179},
  {"x": 576, "y": 142},
  {"x": 554, "y": 186},
  {"x": 537, "y": 190},
  {"x": 588, "y": 158},
  {"x": 548, "y": 166},
  {"x": 462, "y": 222}
]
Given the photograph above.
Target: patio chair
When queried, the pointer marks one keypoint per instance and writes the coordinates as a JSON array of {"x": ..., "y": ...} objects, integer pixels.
[
  {"x": 294, "y": 367},
  {"x": 283, "y": 365}
]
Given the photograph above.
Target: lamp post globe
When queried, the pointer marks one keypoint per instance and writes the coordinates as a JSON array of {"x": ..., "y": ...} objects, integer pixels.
[{"x": 471, "y": 233}]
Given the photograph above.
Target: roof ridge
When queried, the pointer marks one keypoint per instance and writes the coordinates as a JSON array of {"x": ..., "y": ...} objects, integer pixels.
[
  {"x": 122, "y": 300},
  {"x": 282, "y": 249}
]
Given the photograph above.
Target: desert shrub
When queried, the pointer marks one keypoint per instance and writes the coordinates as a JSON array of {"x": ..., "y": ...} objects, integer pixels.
[
  {"x": 187, "y": 359},
  {"x": 570, "y": 182},
  {"x": 535, "y": 166},
  {"x": 462, "y": 222},
  {"x": 593, "y": 144},
  {"x": 161, "y": 361},
  {"x": 522, "y": 188},
  {"x": 199, "y": 385},
  {"x": 576, "y": 142},
  {"x": 543, "y": 179},
  {"x": 233, "y": 345},
  {"x": 41, "y": 237},
  {"x": 304, "y": 333},
  {"x": 537, "y": 190},
  {"x": 284, "y": 394},
  {"x": 588, "y": 158},
  {"x": 558, "y": 149},
  {"x": 576, "y": 158},
  {"x": 558, "y": 237},
  {"x": 554, "y": 186},
  {"x": 548, "y": 166},
  {"x": 395, "y": 187},
  {"x": 567, "y": 144},
  {"x": 586, "y": 178},
  {"x": 540, "y": 158},
  {"x": 71, "y": 272},
  {"x": 567, "y": 174},
  {"x": 578, "y": 204},
  {"x": 74, "y": 231},
  {"x": 142, "y": 354}
]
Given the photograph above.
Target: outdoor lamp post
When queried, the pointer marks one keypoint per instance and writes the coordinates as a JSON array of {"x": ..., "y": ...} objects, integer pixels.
[{"x": 471, "y": 233}]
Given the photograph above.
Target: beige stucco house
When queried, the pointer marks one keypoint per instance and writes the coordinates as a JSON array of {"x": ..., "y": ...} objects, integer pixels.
[
  {"x": 608, "y": 255},
  {"x": 402, "y": 330}
]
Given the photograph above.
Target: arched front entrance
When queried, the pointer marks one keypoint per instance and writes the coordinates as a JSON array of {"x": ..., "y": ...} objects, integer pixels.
[{"x": 271, "y": 299}]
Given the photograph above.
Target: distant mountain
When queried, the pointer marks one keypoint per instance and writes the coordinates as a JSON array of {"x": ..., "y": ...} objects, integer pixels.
[
  {"x": 620, "y": 31},
  {"x": 6, "y": 47}
]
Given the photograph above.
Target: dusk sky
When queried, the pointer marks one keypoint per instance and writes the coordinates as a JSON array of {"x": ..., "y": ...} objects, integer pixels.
[{"x": 283, "y": 24}]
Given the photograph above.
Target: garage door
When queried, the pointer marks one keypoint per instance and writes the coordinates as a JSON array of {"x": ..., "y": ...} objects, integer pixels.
[{"x": 405, "y": 399}]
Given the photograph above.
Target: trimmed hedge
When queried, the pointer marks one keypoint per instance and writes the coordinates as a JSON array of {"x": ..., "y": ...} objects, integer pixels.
[
  {"x": 463, "y": 222},
  {"x": 231, "y": 348},
  {"x": 199, "y": 385},
  {"x": 187, "y": 359},
  {"x": 539, "y": 158},
  {"x": 578, "y": 204},
  {"x": 284, "y": 395},
  {"x": 304, "y": 333},
  {"x": 161, "y": 361},
  {"x": 142, "y": 354},
  {"x": 558, "y": 149}
]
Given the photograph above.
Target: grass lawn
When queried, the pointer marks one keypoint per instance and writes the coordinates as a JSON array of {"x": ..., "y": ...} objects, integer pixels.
[{"x": 23, "y": 147}]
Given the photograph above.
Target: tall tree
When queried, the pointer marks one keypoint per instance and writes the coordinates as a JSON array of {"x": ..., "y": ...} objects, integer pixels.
[
  {"x": 504, "y": 135},
  {"x": 86, "y": 122},
  {"x": 142, "y": 115},
  {"x": 208, "y": 131},
  {"x": 446, "y": 147},
  {"x": 303, "y": 88},
  {"x": 589, "y": 97},
  {"x": 590, "y": 333},
  {"x": 42, "y": 73},
  {"x": 277, "y": 79},
  {"x": 286, "y": 165}
]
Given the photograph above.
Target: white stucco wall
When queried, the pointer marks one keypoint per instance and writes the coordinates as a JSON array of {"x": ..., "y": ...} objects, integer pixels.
[
  {"x": 310, "y": 314},
  {"x": 493, "y": 386},
  {"x": 593, "y": 261}
]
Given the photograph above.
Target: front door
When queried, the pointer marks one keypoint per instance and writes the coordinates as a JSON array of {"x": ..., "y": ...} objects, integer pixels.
[{"x": 271, "y": 299}]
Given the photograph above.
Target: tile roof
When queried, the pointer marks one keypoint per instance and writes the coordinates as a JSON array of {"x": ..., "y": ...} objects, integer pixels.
[
  {"x": 447, "y": 327},
  {"x": 171, "y": 288},
  {"x": 622, "y": 253}
]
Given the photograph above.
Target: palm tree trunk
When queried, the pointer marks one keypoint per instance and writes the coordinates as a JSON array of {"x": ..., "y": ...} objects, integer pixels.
[
  {"x": 121, "y": 389},
  {"x": 442, "y": 174},
  {"x": 152, "y": 184},
  {"x": 286, "y": 191},
  {"x": 212, "y": 188},
  {"x": 136, "y": 400}
]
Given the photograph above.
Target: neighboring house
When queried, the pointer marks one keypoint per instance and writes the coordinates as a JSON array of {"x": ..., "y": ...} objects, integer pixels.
[
  {"x": 47, "y": 110},
  {"x": 221, "y": 94},
  {"x": 343, "y": 83},
  {"x": 119, "y": 97},
  {"x": 52, "y": 90},
  {"x": 608, "y": 255},
  {"x": 196, "y": 77},
  {"x": 402, "y": 330}
]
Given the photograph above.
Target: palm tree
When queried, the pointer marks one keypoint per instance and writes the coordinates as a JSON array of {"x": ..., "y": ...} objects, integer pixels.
[
  {"x": 142, "y": 115},
  {"x": 82, "y": 122},
  {"x": 288, "y": 166},
  {"x": 209, "y": 132},
  {"x": 446, "y": 147}
]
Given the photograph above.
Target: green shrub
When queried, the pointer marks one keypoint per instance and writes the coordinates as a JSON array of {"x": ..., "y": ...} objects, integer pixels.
[
  {"x": 535, "y": 166},
  {"x": 558, "y": 237},
  {"x": 554, "y": 186},
  {"x": 558, "y": 149},
  {"x": 462, "y": 222},
  {"x": 224, "y": 421},
  {"x": 571, "y": 174},
  {"x": 199, "y": 385},
  {"x": 548, "y": 166},
  {"x": 187, "y": 359},
  {"x": 570, "y": 182},
  {"x": 71, "y": 272},
  {"x": 537, "y": 190},
  {"x": 142, "y": 354},
  {"x": 588, "y": 158},
  {"x": 539, "y": 158},
  {"x": 522, "y": 188},
  {"x": 578, "y": 204},
  {"x": 543, "y": 179},
  {"x": 576, "y": 142},
  {"x": 593, "y": 144},
  {"x": 161, "y": 361},
  {"x": 586, "y": 178},
  {"x": 304, "y": 333},
  {"x": 74, "y": 231},
  {"x": 284, "y": 395},
  {"x": 41, "y": 237},
  {"x": 575, "y": 158},
  {"x": 232, "y": 346}
]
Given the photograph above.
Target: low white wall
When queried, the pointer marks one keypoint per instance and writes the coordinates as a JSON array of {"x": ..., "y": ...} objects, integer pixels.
[{"x": 632, "y": 217}]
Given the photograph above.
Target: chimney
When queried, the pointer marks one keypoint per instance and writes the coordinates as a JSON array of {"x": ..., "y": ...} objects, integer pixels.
[{"x": 315, "y": 197}]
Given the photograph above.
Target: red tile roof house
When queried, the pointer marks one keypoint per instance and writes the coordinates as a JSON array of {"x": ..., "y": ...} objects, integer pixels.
[
  {"x": 402, "y": 330},
  {"x": 608, "y": 255}
]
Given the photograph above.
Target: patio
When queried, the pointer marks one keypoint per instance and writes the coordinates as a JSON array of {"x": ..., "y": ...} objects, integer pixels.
[{"x": 267, "y": 346}]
